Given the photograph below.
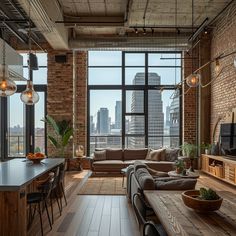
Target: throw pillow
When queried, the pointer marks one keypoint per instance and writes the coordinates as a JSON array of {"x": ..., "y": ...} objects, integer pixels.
[
  {"x": 100, "y": 155},
  {"x": 172, "y": 154},
  {"x": 157, "y": 155},
  {"x": 178, "y": 184}
]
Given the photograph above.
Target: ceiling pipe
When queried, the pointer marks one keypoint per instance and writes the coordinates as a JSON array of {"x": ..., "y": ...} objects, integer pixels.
[{"x": 199, "y": 30}]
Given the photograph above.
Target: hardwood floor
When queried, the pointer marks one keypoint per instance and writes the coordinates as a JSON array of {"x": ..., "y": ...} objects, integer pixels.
[
  {"x": 96, "y": 215},
  {"x": 100, "y": 215}
]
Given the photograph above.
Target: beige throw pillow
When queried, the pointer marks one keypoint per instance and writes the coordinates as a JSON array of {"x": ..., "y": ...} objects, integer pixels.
[
  {"x": 99, "y": 155},
  {"x": 157, "y": 155}
]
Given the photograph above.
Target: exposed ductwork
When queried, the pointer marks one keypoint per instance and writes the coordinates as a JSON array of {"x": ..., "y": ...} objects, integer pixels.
[
  {"x": 44, "y": 13},
  {"x": 130, "y": 43}
]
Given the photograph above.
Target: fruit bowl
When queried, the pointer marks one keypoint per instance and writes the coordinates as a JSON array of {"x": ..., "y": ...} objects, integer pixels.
[
  {"x": 35, "y": 157},
  {"x": 191, "y": 200}
]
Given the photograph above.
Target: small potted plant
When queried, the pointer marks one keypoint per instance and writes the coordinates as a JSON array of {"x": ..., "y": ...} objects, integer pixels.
[
  {"x": 207, "y": 148},
  {"x": 179, "y": 166},
  {"x": 189, "y": 150}
]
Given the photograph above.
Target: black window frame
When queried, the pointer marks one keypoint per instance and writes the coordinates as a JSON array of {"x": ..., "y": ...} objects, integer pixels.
[{"x": 145, "y": 87}]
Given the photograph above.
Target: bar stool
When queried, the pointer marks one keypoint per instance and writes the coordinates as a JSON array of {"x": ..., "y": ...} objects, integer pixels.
[
  {"x": 38, "y": 198},
  {"x": 61, "y": 183},
  {"x": 54, "y": 192}
]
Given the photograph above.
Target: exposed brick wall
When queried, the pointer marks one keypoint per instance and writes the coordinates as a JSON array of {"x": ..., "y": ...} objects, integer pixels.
[
  {"x": 60, "y": 91},
  {"x": 60, "y": 94},
  {"x": 189, "y": 104},
  {"x": 223, "y": 93},
  {"x": 81, "y": 97}
]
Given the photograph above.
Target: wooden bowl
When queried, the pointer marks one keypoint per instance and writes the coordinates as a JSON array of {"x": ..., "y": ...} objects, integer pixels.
[
  {"x": 36, "y": 159},
  {"x": 190, "y": 200}
]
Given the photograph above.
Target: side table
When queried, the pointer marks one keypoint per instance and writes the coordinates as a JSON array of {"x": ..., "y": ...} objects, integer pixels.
[{"x": 74, "y": 163}]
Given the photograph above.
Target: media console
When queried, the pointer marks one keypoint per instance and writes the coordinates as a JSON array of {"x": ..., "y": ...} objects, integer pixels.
[{"x": 219, "y": 167}]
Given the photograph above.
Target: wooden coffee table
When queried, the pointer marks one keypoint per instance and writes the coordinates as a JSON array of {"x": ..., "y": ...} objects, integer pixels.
[{"x": 178, "y": 219}]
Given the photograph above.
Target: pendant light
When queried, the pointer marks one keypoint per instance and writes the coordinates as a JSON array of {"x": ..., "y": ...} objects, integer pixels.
[
  {"x": 29, "y": 96},
  {"x": 7, "y": 86},
  {"x": 193, "y": 80}
]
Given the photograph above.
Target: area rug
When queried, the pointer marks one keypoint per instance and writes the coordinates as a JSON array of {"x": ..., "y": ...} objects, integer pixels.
[{"x": 103, "y": 186}]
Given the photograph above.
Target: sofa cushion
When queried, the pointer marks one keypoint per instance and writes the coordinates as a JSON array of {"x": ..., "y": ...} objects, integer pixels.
[
  {"x": 177, "y": 184},
  {"x": 114, "y": 154},
  {"x": 160, "y": 165},
  {"x": 144, "y": 179},
  {"x": 108, "y": 165},
  {"x": 130, "y": 162},
  {"x": 156, "y": 155},
  {"x": 99, "y": 155},
  {"x": 172, "y": 154},
  {"x": 135, "y": 154}
]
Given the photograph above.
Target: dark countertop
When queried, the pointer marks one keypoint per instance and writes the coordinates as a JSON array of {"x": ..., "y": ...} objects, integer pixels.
[{"x": 18, "y": 172}]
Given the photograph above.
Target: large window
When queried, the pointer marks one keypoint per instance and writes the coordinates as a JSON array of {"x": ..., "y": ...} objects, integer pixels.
[
  {"x": 24, "y": 130},
  {"x": 130, "y": 99}
]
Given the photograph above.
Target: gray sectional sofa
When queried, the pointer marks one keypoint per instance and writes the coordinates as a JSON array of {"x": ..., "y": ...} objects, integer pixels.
[
  {"x": 113, "y": 160},
  {"x": 139, "y": 179}
]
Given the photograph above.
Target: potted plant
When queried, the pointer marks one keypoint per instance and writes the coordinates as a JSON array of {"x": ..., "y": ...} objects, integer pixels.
[
  {"x": 207, "y": 148},
  {"x": 179, "y": 166},
  {"x": 189, "y": 150},
  {"x": 60, "y": 135}
]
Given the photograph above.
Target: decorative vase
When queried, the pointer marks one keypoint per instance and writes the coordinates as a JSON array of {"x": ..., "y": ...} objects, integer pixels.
[
  {"x": 179, "y": 170},
  {"x": 79, "y": 152},
  {"x": 207, "y": 151}
]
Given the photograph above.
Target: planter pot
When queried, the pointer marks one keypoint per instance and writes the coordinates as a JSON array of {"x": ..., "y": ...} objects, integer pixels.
[
  {"x": 190, "y": 200},
  {"x": 207, "y": 151},
  {"x": 179, "y": 170}
]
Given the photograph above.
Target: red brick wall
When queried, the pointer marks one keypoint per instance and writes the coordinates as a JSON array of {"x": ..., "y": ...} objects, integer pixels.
[
  {"x": 223, "y": 93},
  {"x": 189, "y": 104},
  {"x": 60, "y": 94}
]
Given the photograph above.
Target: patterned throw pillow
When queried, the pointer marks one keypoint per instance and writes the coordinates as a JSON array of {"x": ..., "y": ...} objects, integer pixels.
[
  {"x": 157, "y": 155},
  {"x": 172, "y": 154},
  {"x": 100, "y": 155}
]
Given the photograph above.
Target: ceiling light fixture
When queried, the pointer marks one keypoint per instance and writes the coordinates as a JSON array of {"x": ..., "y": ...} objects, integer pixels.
[
  {"x": 217, "y": 65},
  {"x": 29, "y": 96},
  {"x": 7, "y": 86},
  {"x": 194, "y": 79}
]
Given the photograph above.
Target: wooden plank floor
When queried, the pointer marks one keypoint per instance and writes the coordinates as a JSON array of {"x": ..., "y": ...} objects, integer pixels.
[{"x": 98, "y": 215}]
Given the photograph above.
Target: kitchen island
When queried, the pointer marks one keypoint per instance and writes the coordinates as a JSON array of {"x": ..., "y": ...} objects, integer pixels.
[{"x": 15, "y": 176}]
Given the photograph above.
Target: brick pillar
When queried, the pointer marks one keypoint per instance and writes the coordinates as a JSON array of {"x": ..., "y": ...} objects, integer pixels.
[
  {"x": 189, "y": 104},
  {"x": 81, "y": 100},
  {"x": 60, "y": 91}
]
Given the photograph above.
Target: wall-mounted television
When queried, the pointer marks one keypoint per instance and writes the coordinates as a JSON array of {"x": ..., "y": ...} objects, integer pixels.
[{"x": 228, "y": 140}]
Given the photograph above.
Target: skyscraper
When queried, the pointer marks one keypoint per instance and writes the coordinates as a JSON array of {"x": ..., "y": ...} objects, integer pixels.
[
  {"x": 92, "y": 128},
  {"x": 174, "y": 121},
  {"x": 98, "y": 122},
  {"x": 118, "y": 115},
  {"x": 155, "y": 113},
  {"x": 104, "y": 121},
  {"x": 168, "y": 116}
]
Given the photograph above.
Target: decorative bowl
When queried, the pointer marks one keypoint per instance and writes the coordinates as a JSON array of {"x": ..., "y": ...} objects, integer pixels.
[
  {"x": 190, "y": 200},
  {"x": 35, "y": 158}
]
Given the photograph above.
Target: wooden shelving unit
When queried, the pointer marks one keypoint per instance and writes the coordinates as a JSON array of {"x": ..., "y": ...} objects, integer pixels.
[{"x": 219, "y": 167}]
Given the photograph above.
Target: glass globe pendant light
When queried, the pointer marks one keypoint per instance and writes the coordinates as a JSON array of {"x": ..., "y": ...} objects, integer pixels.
[
  {"x": 7, "y": 86},
  {"x": 193, "y": 80},
  {"x": 29, "y": 96}
]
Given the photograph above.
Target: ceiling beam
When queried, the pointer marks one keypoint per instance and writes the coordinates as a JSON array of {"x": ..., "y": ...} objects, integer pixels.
[
  {"x": 92, "y": 21},
  {"x": 13, "y": 27},
  {"x": 44, "y": 13}
]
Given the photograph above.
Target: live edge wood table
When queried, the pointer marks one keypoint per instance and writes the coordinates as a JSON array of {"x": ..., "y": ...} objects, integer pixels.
[
  {"x": 177, "y": 219},
  {"x": 15, "y": 176}
]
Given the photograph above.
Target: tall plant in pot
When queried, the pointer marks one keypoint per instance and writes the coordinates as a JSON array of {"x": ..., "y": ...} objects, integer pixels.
[
  {"x": 60, "y": 134},
  {"x": 189, "y": 150}
]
